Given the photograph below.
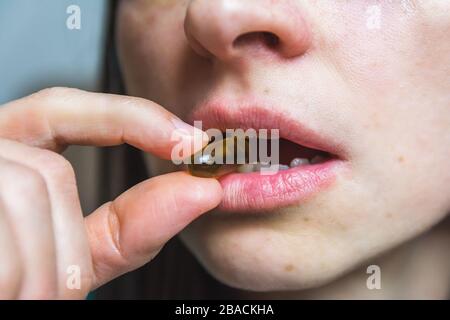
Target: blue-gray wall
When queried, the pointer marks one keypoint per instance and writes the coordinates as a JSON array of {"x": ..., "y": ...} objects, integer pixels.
[{"x": 37, "y": 50}]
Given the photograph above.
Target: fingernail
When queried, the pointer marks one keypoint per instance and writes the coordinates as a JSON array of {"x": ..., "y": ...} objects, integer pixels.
[{"x": 186, "y": 131}]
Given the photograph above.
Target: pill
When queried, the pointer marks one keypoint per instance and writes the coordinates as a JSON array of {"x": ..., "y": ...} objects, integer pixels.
[{"x": 211, "y": 161}]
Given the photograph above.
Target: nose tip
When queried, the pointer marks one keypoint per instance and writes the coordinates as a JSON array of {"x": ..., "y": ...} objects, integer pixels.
[{"x": 225, "y": 29}]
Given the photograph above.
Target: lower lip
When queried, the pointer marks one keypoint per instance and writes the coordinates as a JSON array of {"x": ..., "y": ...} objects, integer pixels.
[{"x": 254, "y": 192}]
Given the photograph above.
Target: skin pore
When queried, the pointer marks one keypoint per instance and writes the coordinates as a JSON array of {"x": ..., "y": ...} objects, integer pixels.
[{"x": 374, "y": 75}]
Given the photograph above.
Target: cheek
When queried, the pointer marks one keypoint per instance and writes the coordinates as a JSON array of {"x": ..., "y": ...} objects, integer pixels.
[
  {"x": 396, "y": 66},
  {"x": 369, "y": 55},
  {"x": 381, "y": 44}
]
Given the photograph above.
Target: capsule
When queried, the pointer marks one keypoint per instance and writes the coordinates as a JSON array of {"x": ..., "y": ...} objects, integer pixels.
[{"x": 211, "y": 161}]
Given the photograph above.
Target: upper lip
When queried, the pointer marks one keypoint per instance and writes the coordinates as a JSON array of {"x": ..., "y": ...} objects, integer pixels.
[{"x": 244, "y": 115}]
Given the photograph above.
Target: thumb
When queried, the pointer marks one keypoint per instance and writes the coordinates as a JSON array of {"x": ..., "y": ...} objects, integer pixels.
[{"x": 128, "y": 232}]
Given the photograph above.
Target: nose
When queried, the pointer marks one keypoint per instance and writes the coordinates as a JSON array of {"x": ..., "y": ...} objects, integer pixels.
[{"x": 227, "y": 29}]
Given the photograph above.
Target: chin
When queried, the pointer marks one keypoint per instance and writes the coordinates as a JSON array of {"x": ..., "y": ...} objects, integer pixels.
[{"x": 248, "y": 253}]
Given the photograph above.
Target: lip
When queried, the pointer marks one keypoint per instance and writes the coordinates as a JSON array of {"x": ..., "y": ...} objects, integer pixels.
[{"x": 254, "y": 192}]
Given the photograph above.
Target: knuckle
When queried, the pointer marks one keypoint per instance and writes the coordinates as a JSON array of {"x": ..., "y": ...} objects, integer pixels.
[
  {"x": 56, "y": 167},
  {"x": 23, "y": 180},
  {"x": 53, "y": 93},
  {"x": 33, "y": 180},
  {"x": 23, "y": 188},
  {"x": 51, "y": 97}
]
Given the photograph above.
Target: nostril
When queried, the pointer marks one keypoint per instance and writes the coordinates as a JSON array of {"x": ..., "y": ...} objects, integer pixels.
[{"x": 266, "y": 39}]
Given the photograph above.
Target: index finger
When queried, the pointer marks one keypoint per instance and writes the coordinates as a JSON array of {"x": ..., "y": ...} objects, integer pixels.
[{"x": 57, "y": 117}]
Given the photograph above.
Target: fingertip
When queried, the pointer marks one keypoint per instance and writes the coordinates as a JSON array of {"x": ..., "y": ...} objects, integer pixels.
[
  {"x": 186, "y": 140},
  {"x": 206, "y": 191}
]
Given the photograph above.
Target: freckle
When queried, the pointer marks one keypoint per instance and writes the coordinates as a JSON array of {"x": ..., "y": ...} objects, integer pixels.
[
  {"x": 306, "y": 219},
  {"x": 266, "y": 90},
  {"x": 401, "y": 159},
  {"x": 289, "y": 268},
  {"x": 389, "y": 215}
]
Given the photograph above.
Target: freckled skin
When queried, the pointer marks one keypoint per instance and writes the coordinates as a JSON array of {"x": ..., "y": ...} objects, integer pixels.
[
  {"x": 384, "y": 92},
  {"x": 289, "y": 268}
]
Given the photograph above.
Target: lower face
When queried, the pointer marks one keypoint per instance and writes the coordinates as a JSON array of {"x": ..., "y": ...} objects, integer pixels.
[{"x": 373, "y": 93}]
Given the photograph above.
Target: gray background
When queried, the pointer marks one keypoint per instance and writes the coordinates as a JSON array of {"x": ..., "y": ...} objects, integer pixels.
[{"x": 37, "y": 50}]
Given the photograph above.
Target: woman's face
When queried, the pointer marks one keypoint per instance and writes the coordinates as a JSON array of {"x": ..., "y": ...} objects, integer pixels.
[{"x": 366, "y": 80}]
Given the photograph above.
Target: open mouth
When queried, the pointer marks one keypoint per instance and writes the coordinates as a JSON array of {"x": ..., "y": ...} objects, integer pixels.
[
  {"x": 307, "y": 163},
  {"x": 291, "y": 155},
  {"x": 214, "y": 160}
]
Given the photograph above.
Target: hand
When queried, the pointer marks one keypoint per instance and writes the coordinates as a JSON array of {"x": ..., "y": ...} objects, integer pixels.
[{"x": 42, "y": 229}]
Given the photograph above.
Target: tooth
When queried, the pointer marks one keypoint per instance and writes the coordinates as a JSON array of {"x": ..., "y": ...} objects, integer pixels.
[
  {"x": 318, "y": 159},
  {"x": 298, "y": 162},
  {"x": 282, "y": 167}
]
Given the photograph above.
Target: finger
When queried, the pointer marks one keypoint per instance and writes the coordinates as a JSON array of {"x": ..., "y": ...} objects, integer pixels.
[
  {"x": 54, "y": 118},
  {"x": 129, "y": 231},
  {"x": 25, "y": 200},
  {"x": 10, "y": 266},
  {"x": 72, "y": 248}
]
